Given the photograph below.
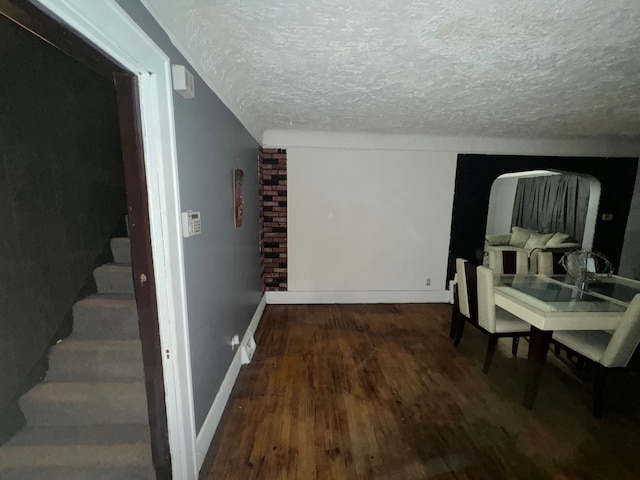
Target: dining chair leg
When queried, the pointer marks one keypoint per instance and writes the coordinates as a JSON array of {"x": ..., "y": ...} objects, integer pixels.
[
  {"x": 459, "y": 333},
  {"x": 514, "y": 346},
  {"x": 599, "y": 382},
  {"x": 491, "y": 348},
  {"x": 539, "y": 341},
  {"x": 455, "y": 315},
  {"x": 455, "y": 323}
]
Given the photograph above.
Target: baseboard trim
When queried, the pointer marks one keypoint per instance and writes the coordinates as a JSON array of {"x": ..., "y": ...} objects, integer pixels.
[
  {"x": 402, "y": 296},
  {"x": 205, "y": 436}
]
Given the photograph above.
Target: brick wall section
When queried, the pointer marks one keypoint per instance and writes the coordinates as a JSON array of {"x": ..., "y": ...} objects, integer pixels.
[{"x": 273, "y": 218}]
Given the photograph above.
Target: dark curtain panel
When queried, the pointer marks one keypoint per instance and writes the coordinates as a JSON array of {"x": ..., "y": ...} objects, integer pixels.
[{"x": 554, "y": 203}]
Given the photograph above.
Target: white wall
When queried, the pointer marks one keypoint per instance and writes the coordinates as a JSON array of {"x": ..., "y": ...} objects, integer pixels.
[
  {"x": 503, "y": 194},
  {"x": 369, "y": 216},
  {"x": 368, "y": 219}
]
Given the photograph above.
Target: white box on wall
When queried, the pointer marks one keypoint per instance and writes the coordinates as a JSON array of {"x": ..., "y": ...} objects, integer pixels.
[{"x": 183, "y": 81}]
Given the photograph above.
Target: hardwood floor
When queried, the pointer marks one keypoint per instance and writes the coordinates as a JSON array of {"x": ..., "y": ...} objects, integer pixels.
[{"x": 378, "y": 392}]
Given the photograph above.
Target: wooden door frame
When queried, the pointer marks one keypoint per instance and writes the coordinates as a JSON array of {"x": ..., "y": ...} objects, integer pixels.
[
  {"x": 142, "y": 266},
  {"x": 165, "y": 346}
]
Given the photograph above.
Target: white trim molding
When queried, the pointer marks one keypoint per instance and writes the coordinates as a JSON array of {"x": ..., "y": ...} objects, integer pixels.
[
  {"x": 481, "y": 145},
  {"x": 208, "y": 429},
  {"x": 372, "y": 296},
  {"x": 105, "y": 25}
]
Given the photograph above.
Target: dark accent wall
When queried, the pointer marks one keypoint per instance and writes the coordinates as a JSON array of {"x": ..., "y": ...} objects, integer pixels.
[
  {"x": 475, "y": 175},
  {"x": 61, "y": 193}
]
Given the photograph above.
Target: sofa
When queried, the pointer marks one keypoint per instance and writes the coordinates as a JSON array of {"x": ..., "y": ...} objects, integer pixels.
[{"x": 530, "y": 243}]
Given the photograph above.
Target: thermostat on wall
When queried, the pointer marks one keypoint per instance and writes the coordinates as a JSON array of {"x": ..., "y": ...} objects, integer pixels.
[
  {"x": 191, "y": 224},
  {"x": 183, "y": 81}
]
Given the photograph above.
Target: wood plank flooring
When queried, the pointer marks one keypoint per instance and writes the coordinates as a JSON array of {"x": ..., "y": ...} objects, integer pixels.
[{"x": 378, "y": 392}]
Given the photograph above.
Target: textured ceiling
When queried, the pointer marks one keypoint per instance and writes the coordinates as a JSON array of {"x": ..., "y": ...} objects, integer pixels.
[{"x": 506, "y": 68}]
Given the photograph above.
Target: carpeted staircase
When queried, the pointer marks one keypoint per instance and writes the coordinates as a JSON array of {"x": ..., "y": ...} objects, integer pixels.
[{"x": 88, "y": 418}]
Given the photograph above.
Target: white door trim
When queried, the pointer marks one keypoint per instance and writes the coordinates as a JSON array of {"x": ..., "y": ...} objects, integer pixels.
[{"x": 111, "y": 30}]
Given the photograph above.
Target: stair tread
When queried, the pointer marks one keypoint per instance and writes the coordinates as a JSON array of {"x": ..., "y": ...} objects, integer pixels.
[
  {"x": 83, "y": 435},
  {"x": 114, "y": 278},
  {"x": 121, "y": 249},
  {"x": 108, "y": 300},
  {"x": 59, "y": 403},
  {"x": 115, "y": 267},
  {"x": 129, "y": 472},
  {"x": 69, "y": 392},
  {"x": 105, "y": 361},
  {"x": 71, "y": 344},
  {"x": 107, "y": 456},
  {"x": 106, "y": 316},
  {"x": 116, "y": 297}
]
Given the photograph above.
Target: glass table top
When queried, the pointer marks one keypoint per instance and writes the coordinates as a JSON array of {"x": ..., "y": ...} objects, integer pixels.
[
  {"x": 619, "y": 288},
  {"x": 559, "y": 294}
]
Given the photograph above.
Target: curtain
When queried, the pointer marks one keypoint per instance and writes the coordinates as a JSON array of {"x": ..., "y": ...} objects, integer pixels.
[{"x": 553, "y": 203}]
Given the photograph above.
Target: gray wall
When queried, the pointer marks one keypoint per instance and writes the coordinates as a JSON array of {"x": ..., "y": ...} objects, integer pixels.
[
  {"x": 222, "y": 264},
  {"x": 630, "y": 259},
  {"x": 61, "y": 193}
]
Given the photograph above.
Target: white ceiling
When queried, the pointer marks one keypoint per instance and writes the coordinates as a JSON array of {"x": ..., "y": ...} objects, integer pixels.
[{"x": 500, "y": 68}]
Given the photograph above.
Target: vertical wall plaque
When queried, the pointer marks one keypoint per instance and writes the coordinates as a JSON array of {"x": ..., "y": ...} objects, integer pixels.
[{"x": 238, "y": 201}]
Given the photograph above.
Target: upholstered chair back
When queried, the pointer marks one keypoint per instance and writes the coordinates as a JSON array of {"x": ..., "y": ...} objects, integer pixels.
[
  {"x": 463, "y": 298},
  {"x": 486, "y": 299},
  {"x": 509, "y": 262},
  {"x": 626, "y": 338},
  {"x": 472, "y": 291},
  {"x": 549, "y": 263}
]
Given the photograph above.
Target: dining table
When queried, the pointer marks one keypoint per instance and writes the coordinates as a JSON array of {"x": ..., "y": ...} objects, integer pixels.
[{"x": 560, "y": 302}]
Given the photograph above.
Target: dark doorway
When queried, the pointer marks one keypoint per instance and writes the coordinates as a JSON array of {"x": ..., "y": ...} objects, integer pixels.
[
  {"x": 475, "y": 175},
  {"x": 63, "y": 40}
]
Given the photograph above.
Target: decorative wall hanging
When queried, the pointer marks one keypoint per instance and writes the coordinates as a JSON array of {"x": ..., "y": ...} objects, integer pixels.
[{"x": 238, "y": 201}]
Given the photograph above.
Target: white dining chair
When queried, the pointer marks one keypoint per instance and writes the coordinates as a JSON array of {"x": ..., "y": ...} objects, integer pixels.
[
  {"x": 609, "y": 352},
  {"x": 493, "y": 320},
  {"x": 461, "y": 311},
  {"x": 468, "y": 296},
  {"x": 548, "y": 263},
  {"x": 509, "y": 261},
  {"x": 462, "y": 287},
  {"x": 545, "y": 263}
]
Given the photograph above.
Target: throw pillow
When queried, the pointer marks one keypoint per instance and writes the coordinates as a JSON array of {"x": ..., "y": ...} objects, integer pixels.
[
  {"x": 558, "y": 239},
  {"x": 537, "y": 240},
  {"x": 519, "y": 236},
  {"x": 497, "y": 240}
]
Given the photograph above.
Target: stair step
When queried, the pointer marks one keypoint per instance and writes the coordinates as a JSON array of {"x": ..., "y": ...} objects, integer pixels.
[
  {"x": 113, "y": 317},
  {"x": 113, "y": 278},
  {"x": 75, "y": 462},
  {"x": 71, "y": 473},
  {"x": 121, "y": 249},
  {"x": 80, "y": 435},
  {"x": 95, "y": 361},
  {"x": 69, "y": 404}
]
